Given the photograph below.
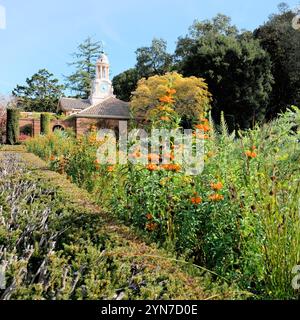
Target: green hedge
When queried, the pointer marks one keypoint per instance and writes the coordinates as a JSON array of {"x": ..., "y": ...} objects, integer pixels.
[
  {"x": 45, "y": 123},
  {"x": 12, "y": 126}
]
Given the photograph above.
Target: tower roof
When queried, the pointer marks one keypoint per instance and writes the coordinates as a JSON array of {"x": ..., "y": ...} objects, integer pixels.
[{"x": 103, "y": 59}]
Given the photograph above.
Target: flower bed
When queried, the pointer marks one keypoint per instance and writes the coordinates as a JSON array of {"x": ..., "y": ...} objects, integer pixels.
[{"x": 239, "y": 218}]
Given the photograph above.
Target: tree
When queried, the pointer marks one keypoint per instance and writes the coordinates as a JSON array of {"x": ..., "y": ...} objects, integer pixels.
[
  {"x": 191, "y": 99},
  {"x": 84, "y": 62},
  {"x": 3, "y": 107},
  {"x": 12, "y": 126},
  {"x": 236, "y": 68},
  {"x": 153, "y": 60},
  {"x": 45, "y": 123},
  {"x": 40, "y": 94},
  {"x": 125, "y": 83},
  {"x": 282, "y": 43}
]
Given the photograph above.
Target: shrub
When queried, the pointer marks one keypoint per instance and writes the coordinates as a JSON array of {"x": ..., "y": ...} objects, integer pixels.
[
  {"x": 12, "y": 126},
  {"x": 239, "y": 218},
  {"x": 45, "y": 123},
  {"x": 55, "y": 245}
]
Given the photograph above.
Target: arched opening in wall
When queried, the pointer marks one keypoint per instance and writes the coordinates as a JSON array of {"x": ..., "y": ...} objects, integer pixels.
[
  {"x": 26, "y": 131},
  {"x": 58, "y": 127}
]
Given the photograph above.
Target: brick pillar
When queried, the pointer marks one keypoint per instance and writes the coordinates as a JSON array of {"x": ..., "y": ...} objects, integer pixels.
[{"x": 36, "y": 127}]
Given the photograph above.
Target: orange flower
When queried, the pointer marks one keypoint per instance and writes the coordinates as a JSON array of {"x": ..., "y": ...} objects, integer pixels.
[
  {"x": 203, "y": 127},
  {"x": 165, "y": 118},
  {"x": 137, "y": 154},
  {"x": 92, "y": 139},
  {"x": 151, "y": 226},
  {"x": 149, "y": 216},
  {"x": 196, "y": 200},
  {"x": 171, "y": 91},
  {"x": 169, "y": 156},
  {"x": 216, "y": 186},
  {"x": 251, "y": 154},
  {"x": 166, "y": 99},
  {"x": 171, "y": 167},
  {"x": 204, "y": 120},
  {"x": 152, "y": 167},
  {"x": 52, "y": 158},
  {"x": 203, "y": 136},
  {"x": 110, "y": 169},
  {"x": 216, "y": 197},
  {"x": 153, "y": 157}
]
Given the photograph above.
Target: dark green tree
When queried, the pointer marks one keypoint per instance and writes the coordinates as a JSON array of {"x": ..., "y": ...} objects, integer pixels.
[
  {"x": 45, "y": 123},
  {"x": 125, "y": 83},
  {"x": 150, "y": 61},
  {"x": 12, "y": 126},
  {"x": 153, "y": 60},
  {"x": 79, "y": 82},
  {"x": 282, "y": 43},
  {"x": 40, "y": 94},
  {"x": 236, "y": 68}
]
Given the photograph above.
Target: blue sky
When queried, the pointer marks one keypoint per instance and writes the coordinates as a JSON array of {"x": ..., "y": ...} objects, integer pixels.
[{"x": 43, "y": 34}]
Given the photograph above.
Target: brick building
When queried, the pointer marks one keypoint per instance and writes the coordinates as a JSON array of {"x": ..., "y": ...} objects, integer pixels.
[{"x": 102, "y": 109}]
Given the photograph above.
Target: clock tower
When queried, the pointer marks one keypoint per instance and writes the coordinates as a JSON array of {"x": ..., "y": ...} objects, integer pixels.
[{"x": 102, "y": 86}]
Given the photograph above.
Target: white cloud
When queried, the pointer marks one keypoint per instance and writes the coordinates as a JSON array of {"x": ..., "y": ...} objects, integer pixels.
[{"x": 2, "y": 17}]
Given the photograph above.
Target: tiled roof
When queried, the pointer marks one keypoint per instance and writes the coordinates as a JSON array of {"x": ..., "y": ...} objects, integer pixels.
[
  {"x": 69, "y": 104},
  {"x": 111, "y": 107}
]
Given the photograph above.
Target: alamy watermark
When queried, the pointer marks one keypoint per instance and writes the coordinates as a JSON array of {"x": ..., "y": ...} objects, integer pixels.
[
  {"x": 2, "y": 277},
  {"x": 296, "y": 279},
  {"x": 2, "y": 17},
  {"x": 181, "y": 148},
  {"x": 296, "y": 19}
]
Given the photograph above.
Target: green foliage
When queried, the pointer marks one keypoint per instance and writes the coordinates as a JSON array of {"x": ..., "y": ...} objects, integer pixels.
[
  {"x": 125, "y": 83},
  {"x": 12, "y": 126},
  {"x": 85, "y": 58},
  {"x": 40, "y": 94},
  {"x": 239, "y": 218},
  {"x": 56, "y": 245},
  {"x": 282, "y": 43},
  {"x": 150, "y": 61},
  {"x": 153, "y": 60},
  {"x": 45, "y": 123},
  {"x": 191, "y": 97},
  {"x": 236, "y": 68}
]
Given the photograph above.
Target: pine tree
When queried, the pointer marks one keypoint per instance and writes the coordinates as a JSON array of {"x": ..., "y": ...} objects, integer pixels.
[{"x": 85, "y": 58}]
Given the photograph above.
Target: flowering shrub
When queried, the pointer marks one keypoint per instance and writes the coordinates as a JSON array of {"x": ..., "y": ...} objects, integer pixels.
[{"x": 239, "y": 218}]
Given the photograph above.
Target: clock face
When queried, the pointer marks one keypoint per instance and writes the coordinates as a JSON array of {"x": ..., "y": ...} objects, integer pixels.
[{"x": 104, "y": 88}]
